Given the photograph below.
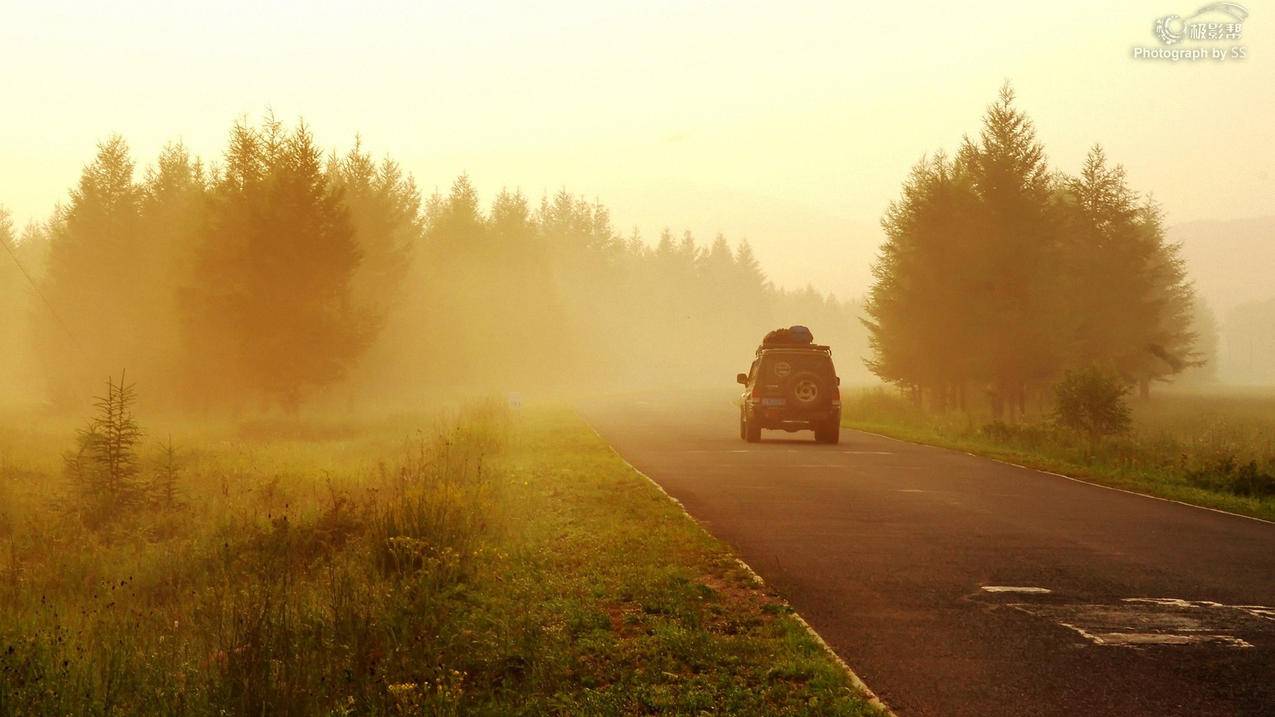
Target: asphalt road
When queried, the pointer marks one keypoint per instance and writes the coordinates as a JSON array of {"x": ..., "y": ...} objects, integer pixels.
[{"x": 901, "y": 557}]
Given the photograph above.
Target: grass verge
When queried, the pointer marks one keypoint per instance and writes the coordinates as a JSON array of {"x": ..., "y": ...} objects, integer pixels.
[
  {"x": 1215, "y": 451},
  {"x": 487, "y": 565}
]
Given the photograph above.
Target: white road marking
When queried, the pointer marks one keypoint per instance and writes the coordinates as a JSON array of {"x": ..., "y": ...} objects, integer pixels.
[
  {"x": 1015, "y": 589},
  {"x": 909, "y": 490}
]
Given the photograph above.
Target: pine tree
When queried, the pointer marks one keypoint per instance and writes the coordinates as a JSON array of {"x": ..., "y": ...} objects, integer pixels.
[
  {"x": 270, "y": 313},
  {"x": 96, "y": 302},
  {"x": 173, "y": 211},
  {"x": 457, "y": 273},
  {"x": 385, "y": 211},
  {"x": 1128, "y": 297},
  {"x": 104, "y": 467},
  {"x": 718, "y": 263},
  {"x": 1171, "y": 348},
  {"x": 751, "y": 277},
  {"x": 1017, "y": 257},
  {"x": 996, "y": 273},
  {"x": 13, "y": 306},
  {"x": 527, "y": 292},
  {"x": 168, "y": 470},
  {"x": 925, "y": 312}
]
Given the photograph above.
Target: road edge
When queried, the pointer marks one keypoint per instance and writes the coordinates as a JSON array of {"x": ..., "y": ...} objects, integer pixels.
[{"x": 856, "y": 681}]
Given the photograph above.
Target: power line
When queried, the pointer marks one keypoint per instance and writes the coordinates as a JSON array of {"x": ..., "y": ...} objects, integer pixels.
[{"x": 8, "y": 247}]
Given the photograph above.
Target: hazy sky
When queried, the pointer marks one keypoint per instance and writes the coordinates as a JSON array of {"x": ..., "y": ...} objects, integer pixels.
[{"x": 791, "y": 124}]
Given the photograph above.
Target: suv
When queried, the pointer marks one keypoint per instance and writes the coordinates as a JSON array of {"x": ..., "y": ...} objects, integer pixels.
[{"x": 792, "y": 387}]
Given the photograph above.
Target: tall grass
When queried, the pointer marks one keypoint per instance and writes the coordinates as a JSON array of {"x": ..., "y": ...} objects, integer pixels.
[{"x": 305, "y": 578}]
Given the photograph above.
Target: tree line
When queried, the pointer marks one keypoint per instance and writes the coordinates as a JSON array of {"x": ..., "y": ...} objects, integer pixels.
[
  {"x": 285, "y": 273},
  {"x": 999, "y": 274}
]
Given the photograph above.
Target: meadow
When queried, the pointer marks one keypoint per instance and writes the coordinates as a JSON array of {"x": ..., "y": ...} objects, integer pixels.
[
  {"x": 1211, "y": 448},
  {"x": 470, "y": 561}
]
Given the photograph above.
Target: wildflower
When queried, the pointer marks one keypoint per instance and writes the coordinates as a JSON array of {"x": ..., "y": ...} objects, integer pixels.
[{"x": 402, "y": 690}]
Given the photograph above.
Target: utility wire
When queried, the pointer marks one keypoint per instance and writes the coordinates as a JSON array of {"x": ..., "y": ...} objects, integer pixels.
[{"x": 8, "y": 247}]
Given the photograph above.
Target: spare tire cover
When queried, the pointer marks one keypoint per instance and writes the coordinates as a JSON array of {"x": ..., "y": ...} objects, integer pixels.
[{"x": 807, "y": 389}]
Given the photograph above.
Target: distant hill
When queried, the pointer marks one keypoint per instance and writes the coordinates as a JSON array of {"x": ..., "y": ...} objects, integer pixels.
[{"x": 1232, "y": 262}]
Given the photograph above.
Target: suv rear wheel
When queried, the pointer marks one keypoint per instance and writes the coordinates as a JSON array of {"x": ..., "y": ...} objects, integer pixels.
[{"x": 828, "y": 432}]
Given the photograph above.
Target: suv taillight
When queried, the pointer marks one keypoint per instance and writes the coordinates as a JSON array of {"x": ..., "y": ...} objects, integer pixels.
[{"x": 757, "y": 390}]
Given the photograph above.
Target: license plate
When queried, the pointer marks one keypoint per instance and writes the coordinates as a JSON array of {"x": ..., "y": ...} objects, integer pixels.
[{"x": 771, "y": 402}]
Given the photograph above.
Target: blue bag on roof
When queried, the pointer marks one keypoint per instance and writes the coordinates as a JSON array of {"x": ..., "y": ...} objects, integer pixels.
[
  {"x": 792, "y": 335},
  {"x": 799, "y": 334}
]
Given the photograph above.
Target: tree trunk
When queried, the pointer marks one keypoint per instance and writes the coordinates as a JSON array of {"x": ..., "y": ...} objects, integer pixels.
[
  {"x": 938, "y": 398},
  {"x": 998, "y": 404},
  {"x": 1008, "y": 394}
]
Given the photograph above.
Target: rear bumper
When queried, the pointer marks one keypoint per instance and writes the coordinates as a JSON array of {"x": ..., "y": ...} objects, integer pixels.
[{"x": 788, "y": 419}]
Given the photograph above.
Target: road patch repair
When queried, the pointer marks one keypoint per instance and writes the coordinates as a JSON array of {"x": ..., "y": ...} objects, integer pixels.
[
  {"x": 1015, "y": 589},
  {"x": 1146, "y": 621}
]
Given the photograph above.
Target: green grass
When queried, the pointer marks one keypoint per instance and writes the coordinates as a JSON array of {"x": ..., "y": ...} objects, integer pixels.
[
  {"x": 472, "y": 563},
  {"x": 1210, "y": 449}
]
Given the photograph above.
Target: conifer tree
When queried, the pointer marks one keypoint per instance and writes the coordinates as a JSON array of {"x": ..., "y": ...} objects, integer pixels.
[
  {"x": 270, "y": 312},
  {"x": 172, "y": 215},
  {"x": 385, "y": 212},
  {"x": 1129, "y": 301},
  {"x": 104, "y": 467},
  {"x": 1017, "y": 257},
  {"x": 96, "y": 303},
  {"x": 13, "y": 304},
  {"x": 998, "y": 275}
]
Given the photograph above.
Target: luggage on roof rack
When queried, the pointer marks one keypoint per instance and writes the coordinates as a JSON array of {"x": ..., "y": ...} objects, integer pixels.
[
  {"x": 793, "y": 347},
  {"x": 796, "y": 334},
  {"x": 792, "y": 337}
]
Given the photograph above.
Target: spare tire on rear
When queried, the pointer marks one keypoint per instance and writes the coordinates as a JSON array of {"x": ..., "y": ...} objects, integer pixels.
[{"x": 808, "y": 390}]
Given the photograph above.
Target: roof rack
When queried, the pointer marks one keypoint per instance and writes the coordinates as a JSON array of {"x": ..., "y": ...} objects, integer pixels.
[{"x": 794, "y": 347}]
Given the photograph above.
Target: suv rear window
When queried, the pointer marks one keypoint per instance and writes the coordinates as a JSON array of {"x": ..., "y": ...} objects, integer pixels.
[{"x": 778, "y": 365}]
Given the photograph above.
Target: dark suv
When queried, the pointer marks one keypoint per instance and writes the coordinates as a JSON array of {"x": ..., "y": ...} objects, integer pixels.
[{"x": 792, "y": 387}]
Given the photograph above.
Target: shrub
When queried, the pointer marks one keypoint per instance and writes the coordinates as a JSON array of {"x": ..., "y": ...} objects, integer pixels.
[
  {"x": 1091, "y": 400},
  {"x": 1232, "y": 476}
]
